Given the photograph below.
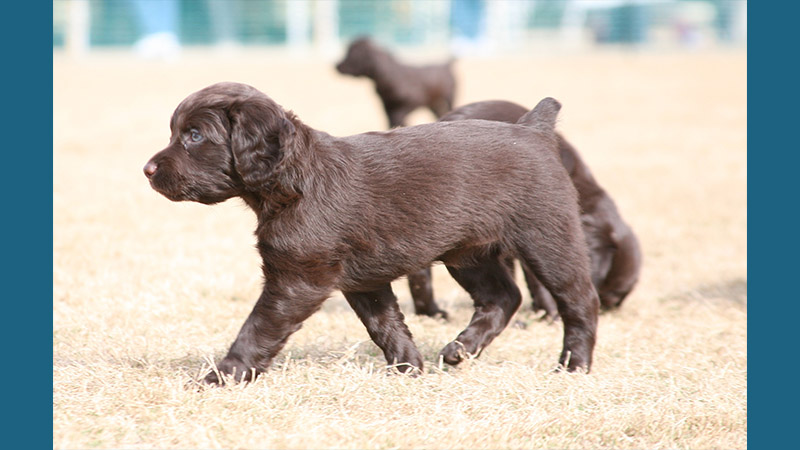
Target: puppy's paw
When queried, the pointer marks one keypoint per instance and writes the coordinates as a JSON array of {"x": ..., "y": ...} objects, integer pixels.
[
  {"x": 518, "y": 324},
  {"x": 229, "y": 370},
  {"x": 406, "y": 369},
  {"x": 435, "y": 314},
  {"x": 549, "y": 318},
  {"x": 453, "y": 353},
  {"x": 214, "y": 378},
  {"x": 573, "y": 363}
]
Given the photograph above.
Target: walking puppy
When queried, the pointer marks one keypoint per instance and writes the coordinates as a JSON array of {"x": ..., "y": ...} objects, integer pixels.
[
  {"x": 402, "y": 88},
  {"x": 613, "y": 247},
  {"x": 355, "y": 213}
]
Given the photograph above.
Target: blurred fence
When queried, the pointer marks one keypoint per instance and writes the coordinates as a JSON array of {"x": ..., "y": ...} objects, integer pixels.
[{"x": 80, "y": 26}]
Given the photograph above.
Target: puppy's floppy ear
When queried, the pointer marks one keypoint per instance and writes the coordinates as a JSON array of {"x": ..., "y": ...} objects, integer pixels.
[{"x": 261, "y": 136}]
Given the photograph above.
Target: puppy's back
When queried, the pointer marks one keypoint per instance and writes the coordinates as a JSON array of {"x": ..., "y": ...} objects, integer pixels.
[
  {"x": 463, "y": 170},
  {"x": 458, "y": 149}
]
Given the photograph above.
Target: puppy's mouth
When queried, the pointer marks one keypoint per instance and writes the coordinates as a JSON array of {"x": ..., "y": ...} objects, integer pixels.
[
  {"x": 176, "y": 195},
  {"x": 183, "y": 192},
  {"x": 168, "y": 186}
]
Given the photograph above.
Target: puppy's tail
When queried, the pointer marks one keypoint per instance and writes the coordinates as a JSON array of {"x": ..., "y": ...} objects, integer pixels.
[{"x": 543, "y": 116}]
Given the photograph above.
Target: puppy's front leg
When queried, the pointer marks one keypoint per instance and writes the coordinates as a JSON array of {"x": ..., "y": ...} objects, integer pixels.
[
  {"x": 380, "y": 313},
  {"x": 273, "y": 319}
]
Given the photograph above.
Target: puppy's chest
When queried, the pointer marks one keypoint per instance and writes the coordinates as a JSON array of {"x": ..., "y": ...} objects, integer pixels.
[{"x": 296, "y": 240}]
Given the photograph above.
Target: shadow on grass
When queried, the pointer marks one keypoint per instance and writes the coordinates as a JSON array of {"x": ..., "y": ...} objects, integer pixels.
[{"x": 729, "y": 291}]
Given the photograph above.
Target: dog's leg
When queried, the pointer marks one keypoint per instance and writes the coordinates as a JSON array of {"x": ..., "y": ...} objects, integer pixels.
[
  {"x": 273, "y": 319},
  {"x": 420, "y": 284},
  {"x": 571, "y": 286},
  {"x": 542, "y": 300},
  {"x": 496, "y": 299},
  {"x": 381, "y": 314},
  {"x": 397, "y": 114},
  {"x": 440, "y": 107},
  {"x": 540, "y": 296}
]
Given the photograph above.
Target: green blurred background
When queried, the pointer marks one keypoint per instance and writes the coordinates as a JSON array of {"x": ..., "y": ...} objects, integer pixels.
[{"x": 305, "y": 26}]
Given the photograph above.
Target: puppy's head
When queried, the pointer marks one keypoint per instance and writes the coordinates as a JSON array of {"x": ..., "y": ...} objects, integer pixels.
[
  {"x": 616, "y": 258},
  {"x": 359, "y": 59},
  {"x": 227, "y": 139},
  {"x": 624, "y": 272}
]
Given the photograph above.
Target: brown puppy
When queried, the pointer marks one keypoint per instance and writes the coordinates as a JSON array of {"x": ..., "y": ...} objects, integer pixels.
[
  {"x": 613, "y": 247},
  {"x": 402, "y": 88},
  {"x": 355, "y": 213}
]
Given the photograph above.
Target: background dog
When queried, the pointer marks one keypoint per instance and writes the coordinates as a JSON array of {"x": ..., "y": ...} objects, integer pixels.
[{"x": 402, "y": 88}]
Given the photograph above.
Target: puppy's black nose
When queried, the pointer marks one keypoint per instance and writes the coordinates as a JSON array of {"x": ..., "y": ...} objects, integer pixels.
[{"x": 150, "y": 168}]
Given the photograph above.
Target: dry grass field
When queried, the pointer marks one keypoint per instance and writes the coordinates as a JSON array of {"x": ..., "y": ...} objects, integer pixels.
[{"x": 146, "y": 292}]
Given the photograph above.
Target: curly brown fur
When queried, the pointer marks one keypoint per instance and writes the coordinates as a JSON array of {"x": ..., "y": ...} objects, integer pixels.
[
  {"x": 613, "y": 247},
  {"x": 354, "y": 213},
  {"x": 402, "y": 88}
]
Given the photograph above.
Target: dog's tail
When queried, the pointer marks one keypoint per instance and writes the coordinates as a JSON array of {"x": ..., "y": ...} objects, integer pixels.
[{"x": 543, "y": 116}]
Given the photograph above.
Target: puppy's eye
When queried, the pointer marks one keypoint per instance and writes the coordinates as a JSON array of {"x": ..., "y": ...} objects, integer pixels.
[{"x": 195, "y": 136}]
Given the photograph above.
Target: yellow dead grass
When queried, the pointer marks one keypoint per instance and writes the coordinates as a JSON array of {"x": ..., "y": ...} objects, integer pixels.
[{"x": 146, "y": 291}]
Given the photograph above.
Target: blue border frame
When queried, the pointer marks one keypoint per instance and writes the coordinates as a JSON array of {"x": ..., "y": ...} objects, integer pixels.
[
  {"x": 27, "y": 150},
  {"x": 772, "y": 160}
]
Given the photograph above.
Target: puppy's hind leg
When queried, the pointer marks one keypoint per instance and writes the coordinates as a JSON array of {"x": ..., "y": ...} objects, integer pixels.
[
  {"x": 496, "y": 299},
  {"x": 560, "y": 261},
  {"x": 541, "y": 298},
  {"x": 420, "y": 283},
  {"x": 380, "y": 313}
]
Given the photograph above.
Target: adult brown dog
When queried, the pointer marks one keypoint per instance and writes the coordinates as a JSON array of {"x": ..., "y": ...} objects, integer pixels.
[
  {"x": 613, "y": 247},
  {"x": 355, "y": 213},
  {"x": 402, "y": 88}
]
